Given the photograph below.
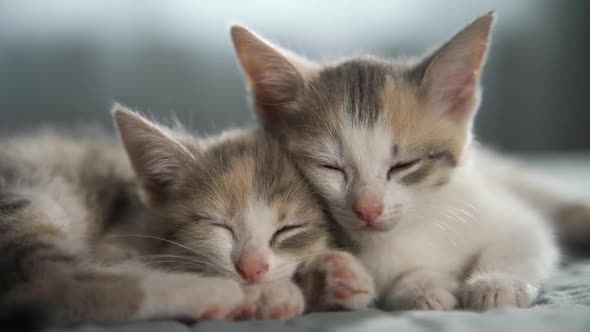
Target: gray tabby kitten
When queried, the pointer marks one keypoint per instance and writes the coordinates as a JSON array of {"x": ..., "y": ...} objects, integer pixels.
[
  {"x": 438, "y": 222},
  {"x": 228, "y": 221}
]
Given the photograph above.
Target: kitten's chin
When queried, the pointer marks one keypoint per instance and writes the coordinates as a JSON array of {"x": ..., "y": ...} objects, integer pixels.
[
  {"x": 372, "y": 229},
  {"x": 366, "y": 236},
  {"x": 376, "y": 230}
]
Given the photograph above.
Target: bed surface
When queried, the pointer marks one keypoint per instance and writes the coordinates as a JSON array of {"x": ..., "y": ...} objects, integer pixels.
[{"x": 563, "y": 306}]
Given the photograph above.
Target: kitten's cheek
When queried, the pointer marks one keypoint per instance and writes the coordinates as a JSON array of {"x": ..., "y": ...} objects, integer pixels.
[
  {"x": 333, "y": 182},
  {"x": 223, "y": 235}
]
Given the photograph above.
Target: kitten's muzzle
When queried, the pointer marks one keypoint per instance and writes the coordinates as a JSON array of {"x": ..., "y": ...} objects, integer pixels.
[{"x": 368, "y": 208}]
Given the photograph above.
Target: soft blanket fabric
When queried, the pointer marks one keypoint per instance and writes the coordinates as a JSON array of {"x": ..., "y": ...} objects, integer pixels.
[{"x": 563, "y": 306}]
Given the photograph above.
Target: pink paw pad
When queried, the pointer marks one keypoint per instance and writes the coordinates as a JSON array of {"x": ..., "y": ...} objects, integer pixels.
[
  {"x": 249, "y": 311},
  {"x": 278, "y": 311},
  {"x": 343, "y": 273},
  {"x": 342, "y": 292}
]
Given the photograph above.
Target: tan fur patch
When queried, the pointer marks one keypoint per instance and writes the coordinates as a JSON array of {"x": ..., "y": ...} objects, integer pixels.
[{"x": 419, "y": 132}]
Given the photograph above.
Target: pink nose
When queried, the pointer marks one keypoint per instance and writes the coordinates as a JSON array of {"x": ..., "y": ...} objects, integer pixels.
[
  {"x": 252, "y": 271},
  {"x": 368, "y": 210}
]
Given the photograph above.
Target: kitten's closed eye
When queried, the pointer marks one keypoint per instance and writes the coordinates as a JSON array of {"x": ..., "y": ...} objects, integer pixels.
[
  {"x": 224, "y": 226},
  {"x": 402, "y": 166},
  {"x": 286, "y": 230},
  {"x": 216, "y": 223},
  {"x": 332, "y": 167}
]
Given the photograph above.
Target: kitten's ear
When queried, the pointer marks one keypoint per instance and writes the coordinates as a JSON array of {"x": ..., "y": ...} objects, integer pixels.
[
  {"x": 273, "y": 75},
  {"x": 157, "y": 158},
  {"x": 452, "y": 73}
]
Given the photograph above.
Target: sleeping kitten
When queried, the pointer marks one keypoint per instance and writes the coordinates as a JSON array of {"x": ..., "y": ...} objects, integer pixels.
[
  {"x": 228, "y": 212},
  {"x": 59, "y": 196},
  {"x": 237, "y": 207},
  {"x": 387, "y": 144}
]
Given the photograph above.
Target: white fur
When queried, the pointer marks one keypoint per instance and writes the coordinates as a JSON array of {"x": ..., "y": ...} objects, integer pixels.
[
  {"x": 366, "y": 158},
  {"x": 467, "y": 229},
  {"x": 437, "y": 240},
  {"x": 542, "y": 193},
  {"x": 252, "y": 236},
  {"x": 280, "y": 299},
  {"x": 188, "y": 296},
  {"x": 259, "y": 226}
]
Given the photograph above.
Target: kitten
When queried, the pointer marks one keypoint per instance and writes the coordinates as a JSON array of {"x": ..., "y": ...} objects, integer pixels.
[
  {"x": 227, "y": 213},
  {"x": 59, "y": 196},
  {"x": 387, "y": 144},
  {"x": 238, "y": 208}
]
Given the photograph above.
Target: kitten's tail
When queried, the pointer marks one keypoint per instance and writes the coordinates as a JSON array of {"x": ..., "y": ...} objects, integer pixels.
[{"x": 569, "y": 213}]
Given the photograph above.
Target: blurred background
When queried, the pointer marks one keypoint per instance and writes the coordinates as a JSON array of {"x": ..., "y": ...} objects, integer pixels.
[{"x": 64, "y": 62}]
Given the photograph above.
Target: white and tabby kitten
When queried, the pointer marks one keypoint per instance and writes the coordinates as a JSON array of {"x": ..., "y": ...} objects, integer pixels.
[
  {"x": 388, "y": 145},
  {"x": 227, "y": 221},
  {"x": 238, "y": 207},
  {"x": 60, "y": 197}
]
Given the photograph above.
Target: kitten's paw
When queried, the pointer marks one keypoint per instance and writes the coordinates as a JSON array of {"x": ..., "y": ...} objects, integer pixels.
[
  {"x": 422, "y": 290},
  {"x": 274, "y": 300},
  {"x": 421, "y": 298},
  {"x": 491, "y": 291},
  {"x": 338, "y": 281},
  {"x": 190, "y": 297}
]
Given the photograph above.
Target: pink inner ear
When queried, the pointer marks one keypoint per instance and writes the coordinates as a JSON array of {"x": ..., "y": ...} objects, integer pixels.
[
  {"x": 453, "y": 82},
  {"x": 275, "y": 81},
  {"x": 460, "y": 97},
  {"x": 271, "y": 77}
]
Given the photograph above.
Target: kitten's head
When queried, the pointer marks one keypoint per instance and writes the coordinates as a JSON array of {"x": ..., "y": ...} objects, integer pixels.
[
  {"x": 232, "y": 206},
  {"x": 371, "y": 135}
]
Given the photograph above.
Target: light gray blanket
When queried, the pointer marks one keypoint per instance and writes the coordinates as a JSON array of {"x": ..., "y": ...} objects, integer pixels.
[{"x": 564, "y": 306}]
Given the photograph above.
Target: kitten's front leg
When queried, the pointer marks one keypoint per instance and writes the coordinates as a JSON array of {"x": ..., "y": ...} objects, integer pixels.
[
  {"x": 188, "y": 297},
  {"x": 421, "y": 290},
  {"x": 336, "y": 280},
  {"x": 509, "y": 272},
  {"x": 492, "y": 290},
  {"x": 280, "y": 299}
]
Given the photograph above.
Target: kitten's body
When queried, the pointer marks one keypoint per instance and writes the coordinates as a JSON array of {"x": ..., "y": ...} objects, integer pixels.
[
  {"x": 59, "y": 197},
  {"x": 472, "y": 229},
  {"x": 567, "y": 212},
  {"x": 388, "y": 146}
]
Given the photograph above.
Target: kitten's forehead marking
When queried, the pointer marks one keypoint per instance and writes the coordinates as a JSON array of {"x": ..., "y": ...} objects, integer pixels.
[
  {"x": 356, "y": 85},
  {"x": 259, "y": 222},
  {"x": 369, "y": 148},
  {"x": 245, "y": 171},
  {"x": 228, "y": 183}
]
